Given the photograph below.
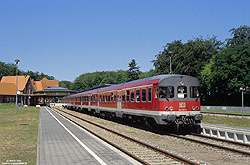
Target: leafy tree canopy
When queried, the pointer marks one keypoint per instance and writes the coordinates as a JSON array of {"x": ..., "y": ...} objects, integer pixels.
[
  {"x": 240, "y": 36},
  {"x": 10, "y": 70},
  {"x": 188, "y": 58},
  {"x": 91, "y": 80}
]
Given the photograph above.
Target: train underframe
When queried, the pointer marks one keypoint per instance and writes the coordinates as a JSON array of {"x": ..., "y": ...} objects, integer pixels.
[{"x": 171, "y": 123}]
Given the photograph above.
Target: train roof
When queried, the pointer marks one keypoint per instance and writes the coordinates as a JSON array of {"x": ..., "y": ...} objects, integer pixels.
[{"x": 140, "y": 82}]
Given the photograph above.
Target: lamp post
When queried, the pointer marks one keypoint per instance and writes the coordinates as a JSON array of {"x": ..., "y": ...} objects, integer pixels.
[
  {"x": 170, "y": 61},
  {"x": 242, "y": 99},
  {"x": 17, "y": 61}
]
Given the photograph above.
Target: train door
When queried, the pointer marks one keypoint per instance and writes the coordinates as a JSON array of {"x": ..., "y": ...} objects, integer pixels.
[
  {"x": 89, "y": 99},
  {"x": 119, "y": 105}
]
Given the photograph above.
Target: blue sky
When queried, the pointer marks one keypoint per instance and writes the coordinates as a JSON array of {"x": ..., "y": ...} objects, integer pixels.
[{"x": 66, "y": 38}]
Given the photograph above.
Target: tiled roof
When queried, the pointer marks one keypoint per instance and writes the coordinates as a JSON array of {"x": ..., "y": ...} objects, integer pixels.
[
  {"x": 22, "y": 81},
  {"x": 45, "y": 83},
  {"x": 7, "y": 89},
  {"x": 56, "y": 89}
]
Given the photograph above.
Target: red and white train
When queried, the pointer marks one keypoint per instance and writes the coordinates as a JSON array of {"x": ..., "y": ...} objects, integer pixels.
[{"x": 166, "y": 100}]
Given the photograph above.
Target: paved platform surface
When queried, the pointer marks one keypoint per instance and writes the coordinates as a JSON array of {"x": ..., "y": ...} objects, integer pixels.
[{"x": 62, "y": 142}]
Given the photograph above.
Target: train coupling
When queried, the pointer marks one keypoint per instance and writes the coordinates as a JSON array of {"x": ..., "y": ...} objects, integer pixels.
[{"x": 171, "y": 118}]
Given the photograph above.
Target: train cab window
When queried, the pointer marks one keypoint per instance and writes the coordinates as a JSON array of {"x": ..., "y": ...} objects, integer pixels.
[
  {"x": 149, "y": 94},
  {"x": 132, "y": 98},
  {"x": 194, "y": 92},
  {"x": 138, "y": 97},
  {"x": 182, "y": 92},
  {"x": 156, "y": 92},
  {"x": 127, "y": 95},
  {"x": 166, "y": 92},
  {"x": 143, "y": 95}
]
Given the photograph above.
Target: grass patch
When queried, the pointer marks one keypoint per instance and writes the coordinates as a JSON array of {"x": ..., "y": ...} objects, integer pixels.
[
  {"x": 245, "y": 113},
  {"x": 237, "y": 122},
  {"x": 18, "y": 134}
]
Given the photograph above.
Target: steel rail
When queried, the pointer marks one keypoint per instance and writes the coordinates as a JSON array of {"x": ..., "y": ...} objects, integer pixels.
[
  {"x": 222, "y": 140},
  {"x": 166, "y": 153},
  {"x": 213, "y": 145}
]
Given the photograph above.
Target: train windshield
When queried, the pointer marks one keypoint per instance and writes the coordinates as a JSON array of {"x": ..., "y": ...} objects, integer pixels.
[
  {"x": 182, "y": 92},
  {"x": 194, "y": 92},
  {"x": 166, "y": 92}
]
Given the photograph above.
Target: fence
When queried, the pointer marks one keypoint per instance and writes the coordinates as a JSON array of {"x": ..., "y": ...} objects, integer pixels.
[{"x": 225, "y": 108}]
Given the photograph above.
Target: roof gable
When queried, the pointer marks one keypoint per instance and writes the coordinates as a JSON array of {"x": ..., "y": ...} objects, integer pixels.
[
  {"x": 22, "y": 81},
  {"x": 45, "y": 83}
]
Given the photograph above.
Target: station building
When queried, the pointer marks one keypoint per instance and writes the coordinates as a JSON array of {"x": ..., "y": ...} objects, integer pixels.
[{"x": 31, "y": 92}]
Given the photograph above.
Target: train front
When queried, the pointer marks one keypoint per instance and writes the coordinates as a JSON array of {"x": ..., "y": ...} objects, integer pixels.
[{"x": 180, "y": 101}]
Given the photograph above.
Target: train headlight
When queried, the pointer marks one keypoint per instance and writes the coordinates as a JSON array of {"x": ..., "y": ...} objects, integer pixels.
[
  {"x": 171, "y": 108},
  {"x": 197, "y": 108},
  {"x": 193, "y": 108},
  {"x": 166, "y": 108}
]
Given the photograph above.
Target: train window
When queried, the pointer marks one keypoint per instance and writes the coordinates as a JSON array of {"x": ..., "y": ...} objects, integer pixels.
[
  {"x": 149, "y": 94},
  {"x": 123, "y": 98},
  {"x": 156, "y": 92},
  {"x": 100, "y": 97},
  {"x": 138, "y": 98},
  {"x": 143, "y": 95},
  {"x": 194, "y": 92},
  {"x": 114, "y": 98},
  {"x": 132, "y": 96},
  {"x": 127, "y": 96},
  {"x": 108, "y": 98},
  {"x": 166, "y": 92},
  {"x": 182, "y": 92}
]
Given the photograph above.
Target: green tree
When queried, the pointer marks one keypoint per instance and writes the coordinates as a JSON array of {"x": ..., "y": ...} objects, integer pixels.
[
  {"x": 133, "y": 71},
  {"x": 91, "y": 80},
  {"x": 188, "y": 58},
  {"x": 226, "y": 73},
  {"x": 65, "y": 84},
  {"x": 240, "y": 36},
  {"x": 8, "y": 69}
]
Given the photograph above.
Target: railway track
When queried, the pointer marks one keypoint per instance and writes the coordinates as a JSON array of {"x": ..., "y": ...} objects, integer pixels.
[
  {"x": 142, "y": 152},
  {"x": 231, "y": 146}
]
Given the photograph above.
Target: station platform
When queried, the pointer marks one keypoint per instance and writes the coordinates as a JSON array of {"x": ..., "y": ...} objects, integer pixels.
[{"x": 62, "y": 142}]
